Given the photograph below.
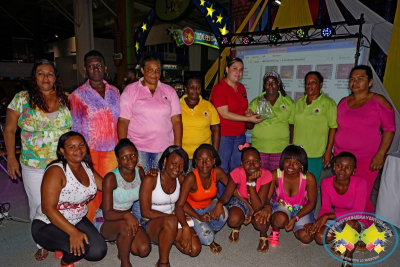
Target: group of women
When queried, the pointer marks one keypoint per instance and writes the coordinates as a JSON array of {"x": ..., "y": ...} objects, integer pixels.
[{"x": 127, "y": 138}]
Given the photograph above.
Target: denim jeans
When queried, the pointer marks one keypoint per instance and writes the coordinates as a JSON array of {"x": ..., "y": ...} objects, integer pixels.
[
  {"x": 149, "y": 160},
  {"x": 230, "y": 155},
  {"x": 206, "y": 230},
  {"x": 136, "y": 210}
]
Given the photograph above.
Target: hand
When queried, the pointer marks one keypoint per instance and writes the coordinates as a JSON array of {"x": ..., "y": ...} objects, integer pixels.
[
  {"x": 289, "y": 227},
  {"x": 206, "y": 217},
  {"x": 13, "y": 168},
  {"x": 132, "y": 222},
  {"x": 217, "y": 211},
  {"x": 255, "y": 118},
  {"x": 318, "y": 224},
  {"x": 248, "y": 113},
  {"x": 153, "y": 172},
  {"x": 308, "y": 228},
  {"x": 377, "y": 162},
  {"x": 326, "y": 159},
  {"x": 76, "y": 245},
  {"x": 247, "y": 220},
  {"x": 186, "y": 238},
  {"x": 254, "y": 176},
  {"x": 262, "y": 216}
]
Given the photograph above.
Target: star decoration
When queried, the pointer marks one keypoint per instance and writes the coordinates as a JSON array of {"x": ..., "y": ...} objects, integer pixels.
[
  {"x": 210, "y": 11},
  {"x": 219, "y": 18},
  {"x": 144, "y": 28},
  {"x": 170, "y": 30},
  {"x": 202, "y": 2},
  {"x": 223, "y": 30},
  {"x": 189, "y": 37},
  {"x": 137, "y": 47}
]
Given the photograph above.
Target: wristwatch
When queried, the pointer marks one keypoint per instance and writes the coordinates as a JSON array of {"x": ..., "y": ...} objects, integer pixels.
[{"x": 253, "y": 184}]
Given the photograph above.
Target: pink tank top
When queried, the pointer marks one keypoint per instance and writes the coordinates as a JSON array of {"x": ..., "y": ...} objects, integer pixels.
[{"x": 293, "y": 204}]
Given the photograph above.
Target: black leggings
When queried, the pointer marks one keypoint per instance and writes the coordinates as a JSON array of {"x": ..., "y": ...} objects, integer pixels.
[{"x": 53, "y": 238}]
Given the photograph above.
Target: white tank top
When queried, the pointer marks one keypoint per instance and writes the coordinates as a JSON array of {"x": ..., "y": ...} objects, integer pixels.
[
  {"x": 162, "y": 201},
  {"x": 73, "y": 197}
]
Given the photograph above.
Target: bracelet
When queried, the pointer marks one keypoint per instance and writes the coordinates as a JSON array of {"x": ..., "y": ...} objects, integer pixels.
[
  {"x": 252, "y": 184},
  {"x": 297, "y": 218}
]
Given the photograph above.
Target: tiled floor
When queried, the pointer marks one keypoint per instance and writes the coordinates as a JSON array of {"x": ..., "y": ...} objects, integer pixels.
[{"x": 17, "y": 247}]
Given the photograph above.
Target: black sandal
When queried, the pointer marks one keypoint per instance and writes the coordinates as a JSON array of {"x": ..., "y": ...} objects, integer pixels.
[{"x": 163, "y": 263}]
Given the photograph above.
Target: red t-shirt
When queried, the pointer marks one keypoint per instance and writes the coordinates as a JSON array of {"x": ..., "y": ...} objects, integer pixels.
[{"x": 224, "y": 95}]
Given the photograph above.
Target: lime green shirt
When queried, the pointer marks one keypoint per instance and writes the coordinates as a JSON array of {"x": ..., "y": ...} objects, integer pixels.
[
  {"x": 272, "y": 135},
  {"x": 312, "y": 123}
]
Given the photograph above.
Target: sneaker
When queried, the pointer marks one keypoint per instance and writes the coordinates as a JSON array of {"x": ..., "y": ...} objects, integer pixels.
[{"x": 273, "y": 238}]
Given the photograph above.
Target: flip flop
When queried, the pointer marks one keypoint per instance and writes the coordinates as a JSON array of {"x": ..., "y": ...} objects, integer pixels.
[
  {"x": 264, "y": 247},
  {"x": 215, "y": 248},
  {"x": 232, "y": 235}
]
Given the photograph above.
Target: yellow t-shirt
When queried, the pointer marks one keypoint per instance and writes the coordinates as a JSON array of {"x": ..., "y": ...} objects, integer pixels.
[{"x": 196, "y": 124}]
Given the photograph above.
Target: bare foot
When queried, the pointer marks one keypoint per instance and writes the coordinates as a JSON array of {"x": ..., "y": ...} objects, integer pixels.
[{"x": 41, "y": 254}]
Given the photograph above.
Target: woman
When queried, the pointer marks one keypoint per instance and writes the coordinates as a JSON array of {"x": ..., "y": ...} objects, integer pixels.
[
  {"x": 197, "y": 192},
  {"x": 361, "y": 116},
  {"x": 114, "y": 219},
  {"x": 347, "y": 194},
  {"x": 69, "y": 183},
  {"x": 230, "y": 99},
  {"x": 271, "y": 136},
  {"x": 198, "y": 116},
  {"x": 95, "y": 111},
  {"x": 315, "y": 123},
  {"x": 43, "y": 115},
  {"x": 150, "y": 115},
  {"x": 157, "y": 197}
]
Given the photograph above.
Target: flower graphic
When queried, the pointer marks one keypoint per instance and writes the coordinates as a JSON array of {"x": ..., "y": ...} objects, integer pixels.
[
  {"x": 283, "y": 107},
  {"x": 316, "y": 111},
  {"x": 205, "y": 114}
]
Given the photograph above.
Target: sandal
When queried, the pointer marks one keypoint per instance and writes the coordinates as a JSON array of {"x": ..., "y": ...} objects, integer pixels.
[
  {"x": 158, "y": 263},
  {"x": 232, "y": 238},
  {"x": 41, "y": 254},
  {"x": 334, "y": 251},
  {"x": 264, "y": 245},
  {"x": 273, "y": 238},
  {"x": 215, "y": 248}
]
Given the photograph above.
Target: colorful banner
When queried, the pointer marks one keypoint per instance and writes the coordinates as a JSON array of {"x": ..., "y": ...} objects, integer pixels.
[{"x": 188, "y": 36}]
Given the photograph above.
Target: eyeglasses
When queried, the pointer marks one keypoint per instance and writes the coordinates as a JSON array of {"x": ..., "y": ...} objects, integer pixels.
[{"x": 97, "y": 66}]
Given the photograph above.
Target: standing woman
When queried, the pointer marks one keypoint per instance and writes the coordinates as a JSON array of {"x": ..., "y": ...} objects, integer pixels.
[
  {"x": 43, "y": 115},
  {"x": 315, "y": 123},
  {"x": 361, "y": 116},
  {"x": 95, "y": 111},
  {"x": 198, "y": 117},
  {"x": 230, "y": 99},
  {"x": 272, "y": 136},
  {"x": 150, "y": 115}
]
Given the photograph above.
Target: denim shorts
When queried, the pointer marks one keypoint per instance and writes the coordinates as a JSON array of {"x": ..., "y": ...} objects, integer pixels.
[
  {"x": 143, "y": 223},
  {"x": 98, "y": 219},
  {"x": 235, "y": 202},
  {"x": 308, "y": 218}
]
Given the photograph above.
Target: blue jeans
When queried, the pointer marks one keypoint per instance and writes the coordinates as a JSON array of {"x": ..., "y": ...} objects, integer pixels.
[
  {"x": 136, "y": 210},
  {"x": 206, "y": 230},
  {"x": 230, "y": 155},
  {"x": 149, "y": 160}
]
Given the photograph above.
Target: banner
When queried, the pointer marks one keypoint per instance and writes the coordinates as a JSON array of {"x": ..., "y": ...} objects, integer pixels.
[{"x": 188, "y": 36}]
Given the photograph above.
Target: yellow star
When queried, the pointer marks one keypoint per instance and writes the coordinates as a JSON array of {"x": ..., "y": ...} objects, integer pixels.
[
  {"x": 210, "y": 11},
  {"x": 137, "y": 47},
  {"x": 219, "y": 18},
  {"x": 144, "y": 28},
  {"x": 202, "y": 2},
  {"x": 189, "y": 37},
  {"x": 378, "y": 249},
  {"x": 223, "y": 30}
]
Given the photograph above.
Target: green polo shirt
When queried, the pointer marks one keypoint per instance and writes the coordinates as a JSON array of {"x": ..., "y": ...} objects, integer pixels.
[
  {"x": 272, "y": 135},
  {"x": 312, "y": 123}
]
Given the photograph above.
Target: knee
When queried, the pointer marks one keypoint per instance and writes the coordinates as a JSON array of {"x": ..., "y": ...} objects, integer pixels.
[
  {"x": 144, "y": 249},
  {"x": 319, "y": 238},
  {"x": 235, "y": 217},
  {"x": 171, "y": 223},
  {"x": 279, "y": 219},
  {"x": 303, "y": 236},
  {"x": 97, "y": 251},
  {"x": 354, "y": 224},
  {"x": 196, "y": 247}
]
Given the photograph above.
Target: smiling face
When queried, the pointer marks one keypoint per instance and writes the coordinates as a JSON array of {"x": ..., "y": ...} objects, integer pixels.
[
  {"x": 204, "y": 161},
  {"x": 251, "y": 162},
  {"x": 271, "y": 85},
  {"x": 292, "y": 166},
  {"x": 127, "y": 158},
  {"x": 235, "y": 72},
  {"x": 151, "y": 73},
  {"x": 45, "y": 77},
  {"x": 359, "y": 82},
  {"x": 95, "y": 68},
  {"x": 313, "y": 86},
  {"x": 193, "y": 89},
  {"x": 174, "y": 165},
  {"x": 344, "y": 168},
  {"x": 74, "y": 149}
]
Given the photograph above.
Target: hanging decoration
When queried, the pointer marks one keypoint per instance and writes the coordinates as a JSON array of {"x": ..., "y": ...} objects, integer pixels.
[{"x": 187, "y": 36}]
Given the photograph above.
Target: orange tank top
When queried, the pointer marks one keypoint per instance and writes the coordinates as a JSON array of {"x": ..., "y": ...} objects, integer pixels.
[{"x": 202, "y": 197}]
